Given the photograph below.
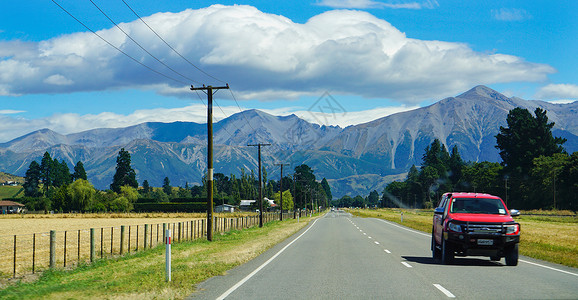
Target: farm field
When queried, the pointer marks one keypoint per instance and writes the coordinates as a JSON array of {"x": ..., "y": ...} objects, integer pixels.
[
  {"x": 9, "y": 191},
  {"x": 29, "y": 224},
  {"x": 25, "y": 239}
]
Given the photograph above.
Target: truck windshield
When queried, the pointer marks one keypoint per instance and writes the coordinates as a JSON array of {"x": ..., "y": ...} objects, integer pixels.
[{"x": 478, "y": 206}]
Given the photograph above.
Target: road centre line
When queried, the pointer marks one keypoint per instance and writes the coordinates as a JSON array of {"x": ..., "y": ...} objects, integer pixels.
[
  {"x": 387, "y": 251},
  {"x": 443, "y": 290},
  {"x": 240, "y": 283},
  {"x": 404, "y": 228},
  {"x": 376, "y": 242},
  {"x": 406, "y": 264}
]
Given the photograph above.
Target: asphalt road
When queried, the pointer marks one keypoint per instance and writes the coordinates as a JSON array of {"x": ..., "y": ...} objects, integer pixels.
[{"x": 342, "y": 257}]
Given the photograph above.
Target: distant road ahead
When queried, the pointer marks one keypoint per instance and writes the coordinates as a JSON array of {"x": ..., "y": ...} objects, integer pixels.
[{"x": 343, "y": 257}]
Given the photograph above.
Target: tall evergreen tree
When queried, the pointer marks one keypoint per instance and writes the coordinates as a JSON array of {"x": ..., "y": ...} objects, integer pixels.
[
  {"x": 32, "y": 179},
  {"x": 46, "y": 171},
  {"x": 124, "y": 175},
  {"x": 167, "y": 187},
  {"x": 79, "y": 172},
  {"x": 455, "y": 165},
  {"x": 146, "y": 187},
  {"x": 61, "y": 173},
  {"x": 525, "y": 139},
  {"x": 327, "y": 189}
]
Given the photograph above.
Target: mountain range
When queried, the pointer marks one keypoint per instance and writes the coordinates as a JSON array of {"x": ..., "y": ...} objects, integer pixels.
[{"x": 355, "y": 159}]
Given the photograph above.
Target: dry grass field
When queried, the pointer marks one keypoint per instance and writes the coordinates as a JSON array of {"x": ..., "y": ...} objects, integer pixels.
[{"x": 28, "y": 236}]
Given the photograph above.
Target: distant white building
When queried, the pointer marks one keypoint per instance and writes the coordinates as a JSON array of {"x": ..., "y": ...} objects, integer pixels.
[
  {"x": 246, "y": 203},
  {"x": 224, "y": 208}
]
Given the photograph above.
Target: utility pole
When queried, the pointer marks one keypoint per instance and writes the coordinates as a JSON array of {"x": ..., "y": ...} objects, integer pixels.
[
  {"x": 260, "y": 183},
  {"x": 209, "y": 91},
  {"x": 281, "y": 191}
]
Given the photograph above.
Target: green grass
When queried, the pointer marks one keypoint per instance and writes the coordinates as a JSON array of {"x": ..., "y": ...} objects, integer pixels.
[
  {"x": 9, "y": 191},
  {"x": 142, "y": 275},
  {"x": 553, "y": 239}
]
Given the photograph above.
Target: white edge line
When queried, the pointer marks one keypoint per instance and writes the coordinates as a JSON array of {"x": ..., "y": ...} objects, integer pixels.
[
  {"x": 406, "y": 264},
  {"x": 404, "y": 228},
  {"x": 240, "y": 283},
  {"x": 443, "y": 290},
  {"x": 554, "y": 269}
]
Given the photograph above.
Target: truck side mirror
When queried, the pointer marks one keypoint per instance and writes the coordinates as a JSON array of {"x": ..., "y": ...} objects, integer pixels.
[
  {"x": 514, "y": 213},
  {"x": 439, "y": 211}
]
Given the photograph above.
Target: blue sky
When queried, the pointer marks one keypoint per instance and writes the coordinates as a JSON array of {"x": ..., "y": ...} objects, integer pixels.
[{"x": 373, "y": 58}]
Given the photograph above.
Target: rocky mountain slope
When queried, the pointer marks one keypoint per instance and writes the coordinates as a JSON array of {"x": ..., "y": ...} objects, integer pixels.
[{"x": 355, "y": 160}]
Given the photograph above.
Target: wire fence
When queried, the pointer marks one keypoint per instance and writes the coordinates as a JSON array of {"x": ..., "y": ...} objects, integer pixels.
[{"x": 30, "y": 253}]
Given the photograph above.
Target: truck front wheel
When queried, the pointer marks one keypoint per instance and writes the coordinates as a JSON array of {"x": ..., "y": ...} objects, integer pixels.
[
  {"x": 512, "y": 256},
  {"x": 436, "y": 253},
  {"x": 447, "y": 253}
]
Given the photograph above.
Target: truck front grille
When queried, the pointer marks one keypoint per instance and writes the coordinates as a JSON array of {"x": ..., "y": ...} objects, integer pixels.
[{"x": 483, "y": 229}]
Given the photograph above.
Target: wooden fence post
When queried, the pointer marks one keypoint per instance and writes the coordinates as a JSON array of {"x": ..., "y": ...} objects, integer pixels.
[
  {"x": 14, "y": 275},
  {"x": 92, "y": 246},
  {"x": 33, "y": 251},
  {"x": 121, "y": 239},
  {"x": 52, "y": 249},
  {"x": 146, "y": 232}
]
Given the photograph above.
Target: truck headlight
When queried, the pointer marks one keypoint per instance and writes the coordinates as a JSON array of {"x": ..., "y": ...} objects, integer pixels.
[
  {"x": 512, "y": 229},
  {"x": 454, "y": 227}
]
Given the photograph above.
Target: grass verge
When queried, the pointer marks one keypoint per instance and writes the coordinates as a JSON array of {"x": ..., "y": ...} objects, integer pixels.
[
  {"x": 142, "y": 275},
  {"x": 553, "y": 239}
]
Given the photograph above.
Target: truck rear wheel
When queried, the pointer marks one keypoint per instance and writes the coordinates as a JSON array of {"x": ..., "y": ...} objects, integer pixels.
[{"x": 512, "y": 256}]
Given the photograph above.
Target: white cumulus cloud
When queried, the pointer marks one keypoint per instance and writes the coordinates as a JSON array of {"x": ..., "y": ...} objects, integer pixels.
[
  {"x": 558, "y": 92},
  {"x": 259, "y": 54}
]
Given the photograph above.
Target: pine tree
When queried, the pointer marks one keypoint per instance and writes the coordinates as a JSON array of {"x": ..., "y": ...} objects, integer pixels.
[
  {"x": 125, "y": 175},
  {"x": 167, "y": 187},
  {"x": 79, "y": 172},
  {"x": 46, "y": 171},
  {"x": 327, "y": 189},
  {"x": 146, "y": 188},
  {"x": 524, "y": 139},
  {"x": 32, "y": 179}
]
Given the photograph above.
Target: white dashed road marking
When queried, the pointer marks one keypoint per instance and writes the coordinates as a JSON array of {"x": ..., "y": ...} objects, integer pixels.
[{"x": 443, "y": 290}]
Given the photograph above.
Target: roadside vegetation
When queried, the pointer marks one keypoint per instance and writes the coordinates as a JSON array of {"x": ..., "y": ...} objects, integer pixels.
[
  {"x": 142, "y": 275},
  {"x": 549, "y": 238}
]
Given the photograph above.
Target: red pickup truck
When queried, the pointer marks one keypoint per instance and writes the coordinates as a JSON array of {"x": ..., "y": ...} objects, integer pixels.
[{"x": 474, "y": 224}]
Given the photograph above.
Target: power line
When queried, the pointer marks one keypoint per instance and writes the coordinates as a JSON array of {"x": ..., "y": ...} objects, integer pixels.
[
  {"x": 166, "y": 43},
  {"x": 138, "y": 44},
  {"x": 115, "y": 47}
]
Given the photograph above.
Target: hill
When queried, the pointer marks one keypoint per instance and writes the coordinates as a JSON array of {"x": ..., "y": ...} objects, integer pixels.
[{"x": 355, "y": 160}]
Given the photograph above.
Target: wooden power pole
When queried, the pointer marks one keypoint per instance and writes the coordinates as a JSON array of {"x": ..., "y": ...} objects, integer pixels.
[
  {"x": 260, "y": 184},
  {"x": 209, "y": 91}
]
